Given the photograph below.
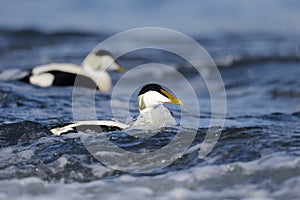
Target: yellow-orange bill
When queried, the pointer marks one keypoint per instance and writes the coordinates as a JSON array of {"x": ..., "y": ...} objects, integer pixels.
[
  {"x": 121, "y": 69},
  {"x": 173, "y": 99}
]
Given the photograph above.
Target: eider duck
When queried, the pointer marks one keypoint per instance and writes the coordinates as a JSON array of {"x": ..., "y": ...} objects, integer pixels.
[
  {"x": 153, "y": 115},
  {"x": 92, "y": 74}
]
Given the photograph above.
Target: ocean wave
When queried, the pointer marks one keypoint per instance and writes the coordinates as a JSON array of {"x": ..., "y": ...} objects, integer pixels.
[
  {"x": 24, "y": 33},
  {"x": 254, "y": 51},
  {"x": 277, "y": 92},
  {"x": 278, "y": 173},
  {"x": 257, "y": 60},
  {"x": 31, "y": 149}
]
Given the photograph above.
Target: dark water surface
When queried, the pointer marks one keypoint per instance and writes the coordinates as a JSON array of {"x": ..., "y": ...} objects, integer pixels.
[{"x": 257, "y": 155}]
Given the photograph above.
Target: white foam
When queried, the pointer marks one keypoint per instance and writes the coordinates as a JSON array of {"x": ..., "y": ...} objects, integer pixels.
[{"x": 232, "y": 180}]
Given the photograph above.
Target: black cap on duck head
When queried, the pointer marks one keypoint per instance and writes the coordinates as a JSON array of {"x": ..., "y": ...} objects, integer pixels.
[
  {"x": 151, "y": 87},
  {"x": 102, "y": 53}
]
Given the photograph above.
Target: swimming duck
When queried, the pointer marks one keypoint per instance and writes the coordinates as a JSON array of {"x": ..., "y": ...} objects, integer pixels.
[
  {"x": 153, "y": 115},
  {"x": 92, "y": 74}
]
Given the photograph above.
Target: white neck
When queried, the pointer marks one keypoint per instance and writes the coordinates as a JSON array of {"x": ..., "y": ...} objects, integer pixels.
[
  {"x": 100, "y": 77},
  {"x": 154, "y": 118}
]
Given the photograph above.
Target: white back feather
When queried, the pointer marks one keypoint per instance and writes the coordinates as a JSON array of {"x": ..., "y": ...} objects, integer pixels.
[{"x": 42, "y": 80}]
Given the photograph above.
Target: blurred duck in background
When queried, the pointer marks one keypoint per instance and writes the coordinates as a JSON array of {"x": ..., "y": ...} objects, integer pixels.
[{"x": 93, "y": 73}]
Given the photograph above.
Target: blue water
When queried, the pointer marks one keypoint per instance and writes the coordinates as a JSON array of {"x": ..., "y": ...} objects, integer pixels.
[
  {"x": 193, "y": 17},
  {"x": 256, "y": 48}
]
